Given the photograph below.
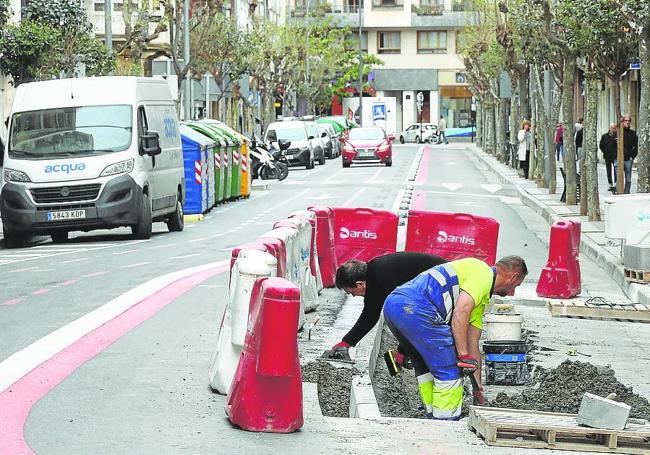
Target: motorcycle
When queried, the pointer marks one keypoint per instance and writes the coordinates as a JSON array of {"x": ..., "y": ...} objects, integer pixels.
[{"x": 268, "y": 162}]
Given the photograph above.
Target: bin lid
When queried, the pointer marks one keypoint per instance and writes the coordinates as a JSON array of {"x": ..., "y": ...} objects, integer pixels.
[
  {"x": 232, "y": 139},
  {"x": 193, "y": 136},
  {"x": 232, "y": 132},
  {"x": 210, "y": 132}
]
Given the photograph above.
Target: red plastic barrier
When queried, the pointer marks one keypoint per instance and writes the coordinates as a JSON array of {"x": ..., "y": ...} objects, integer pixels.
[
  {"x": 257, "y": 245},
  {"x": 325, "y": 244},
  {"x": 452, "y": 235},
  {"x": 278, "y": 249},
  {"x": 561, "y": 278},
  {"x": 266, "y": 393},
  {"x": 314, "y": 235},
  {"x": 364, "y": 234}
]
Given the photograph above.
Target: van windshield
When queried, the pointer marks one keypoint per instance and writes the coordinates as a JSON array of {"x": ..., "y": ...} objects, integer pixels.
[
  {"x": 289, "y": 134},
  {"x": 70, "y": 131}
]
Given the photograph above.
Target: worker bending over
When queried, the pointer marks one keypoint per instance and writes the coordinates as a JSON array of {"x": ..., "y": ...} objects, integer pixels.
[
  {"x": 374, "y": 280},
  {"x": 439, "y": 314}
]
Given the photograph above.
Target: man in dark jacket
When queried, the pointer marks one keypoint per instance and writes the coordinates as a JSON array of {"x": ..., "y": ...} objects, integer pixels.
[
  {"x": 630, "y": 151},
  {"x": 374, "y": 280},
  {"x": 608, "y": 145}
]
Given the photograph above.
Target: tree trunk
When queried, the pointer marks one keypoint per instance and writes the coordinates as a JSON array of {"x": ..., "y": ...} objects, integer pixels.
[
  {"x": 489, "y": 119},
  {"x": 501, "y": 123},
  {"x": 643, "y": 128},
  {"x": 493, "y": 128},
  {"x": 524, "y": 99},
  {"x": 532, "y": 160},
  {"x": 567, "y": 120},
  {"x": 548, "y": 133},
  {"x": 479, "y": 124},
  {"x": 590, "y": 150}
]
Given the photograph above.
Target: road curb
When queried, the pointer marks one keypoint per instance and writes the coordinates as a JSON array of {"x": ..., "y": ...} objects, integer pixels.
[{"x": 610, "y": 263}]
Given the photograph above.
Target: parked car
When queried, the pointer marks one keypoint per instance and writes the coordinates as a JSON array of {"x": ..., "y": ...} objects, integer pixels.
[
  {"x": 301, "y": 152},
  {"x": 418, "y": 135},
  {"x": 317, "y": 141},
  {"x": 332, "y": 148},
  {"x": 367, "y": 145}
]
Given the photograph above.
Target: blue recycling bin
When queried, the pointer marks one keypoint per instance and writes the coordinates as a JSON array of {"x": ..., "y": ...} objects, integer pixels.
[{"x": 196, "y": 150}]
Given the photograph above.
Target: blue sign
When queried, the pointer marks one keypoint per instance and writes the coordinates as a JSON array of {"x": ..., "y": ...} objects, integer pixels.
[
  {"x": 378, "y": 111},
  {"x": 635, "y": 66}
]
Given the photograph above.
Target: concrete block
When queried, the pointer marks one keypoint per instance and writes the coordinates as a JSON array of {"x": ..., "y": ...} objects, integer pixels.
[
  {"x": 363, "y": 404},
  {"x": 637, "y": 257},
  {"x": 599, "y": 412}
]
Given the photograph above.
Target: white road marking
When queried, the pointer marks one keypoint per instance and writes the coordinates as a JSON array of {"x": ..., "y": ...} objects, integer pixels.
[
  {"x": 323, "y": 197},
  {"x": 492, "y": 188},
  {"x": 22, "y": 362},
  {"x": 60, "y": 250},
  {"x": 129, "y": 266},
  {"x": 186, "y": 256},
  {"x": 451, "y": 186},
  {"x": 126, "y": 252},
  {"x": 73, "y": 261}
]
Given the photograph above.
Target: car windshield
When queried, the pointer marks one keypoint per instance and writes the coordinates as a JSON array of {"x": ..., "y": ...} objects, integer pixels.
[
  {"x": 289, "y": 134},
  {"x": 366, "y": 134},
  {"x": 70, "y": 131}
]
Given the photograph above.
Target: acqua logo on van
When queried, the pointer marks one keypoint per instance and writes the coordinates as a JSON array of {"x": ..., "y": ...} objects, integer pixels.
[{"x": 65, "y": 167}]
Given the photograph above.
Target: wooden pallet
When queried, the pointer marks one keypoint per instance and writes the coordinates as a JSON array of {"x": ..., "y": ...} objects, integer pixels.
[
  {"x": 550, "y": 430},
  {"x": 576, "y": 308},
  {"x": 637, "y": 276}
]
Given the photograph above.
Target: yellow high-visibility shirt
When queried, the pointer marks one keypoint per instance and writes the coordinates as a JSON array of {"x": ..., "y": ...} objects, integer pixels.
[{"x": 476, "y": 278}]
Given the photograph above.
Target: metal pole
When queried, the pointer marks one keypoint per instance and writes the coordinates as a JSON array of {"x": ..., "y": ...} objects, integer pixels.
[
  {"x": 186, "y": 59},
  {"x": 108, "y": 26},
  {"x": 360, "y": 6}
]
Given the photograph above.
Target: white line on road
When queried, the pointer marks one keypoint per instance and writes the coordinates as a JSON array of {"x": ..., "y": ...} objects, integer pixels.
[
  {"x": 22, "y": 362},
  {"x": 129, "y": 266},
  {"x": 126, "y": 252},
  {"x": 186, "y": 256},
  {"x": 73, "y": 261}
]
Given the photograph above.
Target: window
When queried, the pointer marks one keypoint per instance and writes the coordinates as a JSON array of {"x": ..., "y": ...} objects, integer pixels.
[
  {"x": 431, "y": 42},
  {"x": 353, "y": 41},
  {"x": 388, "y": 42},
  {"x": 387, "y": 3},
  {"x": 439, "y": 3},
  {"x": 460, "y": 41}
]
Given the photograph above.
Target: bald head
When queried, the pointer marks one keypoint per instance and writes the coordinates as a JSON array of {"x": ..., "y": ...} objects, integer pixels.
[{"x": 612, "y": 128}]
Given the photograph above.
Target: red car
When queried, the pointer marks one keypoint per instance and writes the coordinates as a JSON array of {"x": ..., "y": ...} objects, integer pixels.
[{"x": 367, "y": 145}]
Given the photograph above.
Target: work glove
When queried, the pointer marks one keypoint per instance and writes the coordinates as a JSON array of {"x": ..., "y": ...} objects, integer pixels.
[
  {"x": 403, "y": 360},
  {"x": 478, "y": 397},
  {"x": 340, "y": 351},
  {"x": 467, "y": 364}
]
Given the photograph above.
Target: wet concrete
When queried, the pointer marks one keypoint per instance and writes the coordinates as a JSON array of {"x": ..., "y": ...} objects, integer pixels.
[
  {"x": 561, "y": 389},
  {"x": 333, "y": 386}
]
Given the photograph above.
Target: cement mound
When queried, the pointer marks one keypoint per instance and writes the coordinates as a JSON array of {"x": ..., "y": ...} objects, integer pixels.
[
  {"x": 333, "y": 386},
  {"x": 561, "y": 389}
]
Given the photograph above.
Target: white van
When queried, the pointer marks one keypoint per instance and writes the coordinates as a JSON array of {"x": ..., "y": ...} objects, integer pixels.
[{"x": 91, "y": 153}]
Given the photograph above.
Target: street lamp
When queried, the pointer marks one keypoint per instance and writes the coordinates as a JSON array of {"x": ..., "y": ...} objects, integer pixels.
[{"x": 360, "y": 7}]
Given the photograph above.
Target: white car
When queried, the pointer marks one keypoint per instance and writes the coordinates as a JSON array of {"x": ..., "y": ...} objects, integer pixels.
[{"x": 418, "y": 133}]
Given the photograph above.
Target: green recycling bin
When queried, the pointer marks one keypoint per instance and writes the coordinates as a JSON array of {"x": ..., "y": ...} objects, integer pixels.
[
  {"x": 219, "y": 156},
  {"x": 235, "y": 169}
]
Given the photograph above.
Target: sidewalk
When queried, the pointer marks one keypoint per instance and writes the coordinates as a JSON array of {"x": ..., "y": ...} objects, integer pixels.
[{"x": 593, "y": 243}]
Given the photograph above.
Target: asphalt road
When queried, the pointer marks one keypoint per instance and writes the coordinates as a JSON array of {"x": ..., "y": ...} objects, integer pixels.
[{"x": 138, "y": 383}]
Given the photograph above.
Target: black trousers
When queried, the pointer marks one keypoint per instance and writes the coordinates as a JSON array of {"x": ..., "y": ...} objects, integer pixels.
[
  {"x": 609, "y": 165},
  {"x": 523, "y": 165}
]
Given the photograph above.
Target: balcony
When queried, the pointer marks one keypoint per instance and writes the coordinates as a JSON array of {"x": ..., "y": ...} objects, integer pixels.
[
  {"x": 459, "y": 13},
  {"x": 344, "y": 13}
]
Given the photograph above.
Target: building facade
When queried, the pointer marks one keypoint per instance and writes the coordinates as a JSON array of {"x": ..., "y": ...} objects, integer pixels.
[{"x": 419, "y": 44}]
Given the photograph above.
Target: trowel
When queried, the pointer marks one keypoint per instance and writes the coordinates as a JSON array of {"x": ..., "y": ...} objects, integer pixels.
[{"x": 340, "y": 358}]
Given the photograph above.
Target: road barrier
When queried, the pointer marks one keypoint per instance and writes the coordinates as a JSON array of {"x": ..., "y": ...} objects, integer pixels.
[
  {"x": 327, "y": 262},
  {"x": 235, "y": 318},
  {"x": 364, "y": 234},
  {"x": 302, "y": 251},
  {"x": 561, "y": 278},
  {"x": 266, "y": 392},
  {"x": 234, "y": 253},
  {"x": 278, "y": 249},
  {"x": 289, "y": 236},
  {"x": 452, "y": 235},
  {"x": 313, "y": 256}
]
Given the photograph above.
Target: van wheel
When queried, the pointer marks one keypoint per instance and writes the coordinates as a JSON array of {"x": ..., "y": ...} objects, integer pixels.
[
  {"x": 59, "y": 236},
  {"x": 13, "y": 240},
  {"x": 142, "y": 230},
  {"x": 321, "y": 161},
  {"x": 176, "y": 222},
  {"x": 310, "y": 165}
]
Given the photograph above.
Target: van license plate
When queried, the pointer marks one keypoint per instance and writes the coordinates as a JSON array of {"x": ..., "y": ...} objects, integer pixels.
[{"x": 66, "y": 215}]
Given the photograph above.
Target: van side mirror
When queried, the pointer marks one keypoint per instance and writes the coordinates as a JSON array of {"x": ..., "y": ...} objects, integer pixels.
[
  {"x": 323, "y": 134},
  {"x": 284, "y": 144},
  {"x": 150, "y": 144},
  {"x": 310, "y": 137}
]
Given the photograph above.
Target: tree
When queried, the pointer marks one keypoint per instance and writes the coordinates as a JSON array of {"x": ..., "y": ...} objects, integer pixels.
[{"x": 219, "y": 47}]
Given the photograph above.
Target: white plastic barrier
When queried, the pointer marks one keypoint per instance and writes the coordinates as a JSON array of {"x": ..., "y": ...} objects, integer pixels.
[
  {"x": 250, "y": 266},
  {"x": 311, "y": 217},
  {"x": 306, "y": 281},
  {"x": 290, "y": 238},
  {"x": 627, "y": 217}
]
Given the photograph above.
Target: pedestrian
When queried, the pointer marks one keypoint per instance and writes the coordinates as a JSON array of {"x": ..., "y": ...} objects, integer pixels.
[
  {"x": 442, "y": 127},
  {"x": 559, "y": 141},
  {"x": 630, "y": 151},
  {"x": 524, "y": 138},
  {"x": 609, "y": 146},
  {"x": 374, "y": 280},
  {"x": 578, "y": 141},
  {"x": 439, "y": 314}
]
